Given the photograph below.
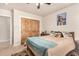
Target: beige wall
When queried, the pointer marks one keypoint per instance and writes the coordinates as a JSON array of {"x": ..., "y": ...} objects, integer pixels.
[
  {"x": 5, "y": 13},
  {"x": 50, "y": 22}
]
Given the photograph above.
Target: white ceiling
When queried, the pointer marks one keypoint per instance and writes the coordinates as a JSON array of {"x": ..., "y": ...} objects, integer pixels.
[{"x": 31, "y": 8}]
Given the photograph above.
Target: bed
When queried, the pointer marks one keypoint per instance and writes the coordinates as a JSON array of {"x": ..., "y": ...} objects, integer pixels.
[{"x": 50, "y": 46}]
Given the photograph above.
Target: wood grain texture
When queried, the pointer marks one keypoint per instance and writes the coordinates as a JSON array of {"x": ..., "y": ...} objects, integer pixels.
[{"x": 29, "y": 27}]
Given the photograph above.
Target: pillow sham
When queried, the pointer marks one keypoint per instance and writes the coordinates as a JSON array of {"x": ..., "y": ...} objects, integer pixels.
[{"x": 67, "y": 34}]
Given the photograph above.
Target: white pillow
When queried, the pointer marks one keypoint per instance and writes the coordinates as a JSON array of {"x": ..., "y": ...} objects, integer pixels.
[
  {"x": 52, "y": 33},
  {"x": 67, "y": 34}
]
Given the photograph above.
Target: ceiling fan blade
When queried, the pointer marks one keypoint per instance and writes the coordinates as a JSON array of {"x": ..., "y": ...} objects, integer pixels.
[
  {"x": 38, "y": 4},
  {"x": 48, "y": 3}
]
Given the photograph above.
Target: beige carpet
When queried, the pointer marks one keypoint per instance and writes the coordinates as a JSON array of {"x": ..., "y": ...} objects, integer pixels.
[
  {"x": 12, "y": 50},
  {"x": 22, "y": 53},
  {"x": 4, "y": 45}
]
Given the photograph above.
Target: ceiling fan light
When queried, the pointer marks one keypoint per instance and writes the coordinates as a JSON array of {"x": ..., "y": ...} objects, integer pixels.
[{"x": 37, "y": 4}]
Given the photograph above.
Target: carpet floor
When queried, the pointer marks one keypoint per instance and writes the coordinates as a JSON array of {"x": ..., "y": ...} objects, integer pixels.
[{"x": 22, "y": 53}]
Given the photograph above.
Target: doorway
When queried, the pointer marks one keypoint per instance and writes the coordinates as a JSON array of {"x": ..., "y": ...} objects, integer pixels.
[{"x": 4, "y": 32}]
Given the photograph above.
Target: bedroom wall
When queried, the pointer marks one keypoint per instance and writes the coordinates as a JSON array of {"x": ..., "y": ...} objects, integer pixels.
[
  {"x": 50, "y": 22},
  {"x": 5, "y": 13},
  {"x": 17, "y": 24}
]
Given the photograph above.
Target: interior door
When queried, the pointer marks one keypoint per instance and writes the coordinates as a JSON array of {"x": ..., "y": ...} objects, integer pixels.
[{"x": 4, "y": 32}]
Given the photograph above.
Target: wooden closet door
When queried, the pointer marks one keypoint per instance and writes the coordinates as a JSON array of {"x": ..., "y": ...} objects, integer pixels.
[
  {"x": 34, "y": 27},
  {"x": 25, "y": 29},
  {"x": 28, "y": 28},
  {"x": 37, "y": 25}
]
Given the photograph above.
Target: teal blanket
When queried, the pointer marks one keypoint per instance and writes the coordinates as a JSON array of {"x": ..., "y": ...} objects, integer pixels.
[{"x": 40, "y": 45}]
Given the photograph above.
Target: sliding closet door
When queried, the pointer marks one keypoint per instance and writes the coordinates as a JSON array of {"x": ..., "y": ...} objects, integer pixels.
[
  {"x": 25, "y": 29},
  {"x": 34, "y": 27},
  {"x": 22, "y": 30}
]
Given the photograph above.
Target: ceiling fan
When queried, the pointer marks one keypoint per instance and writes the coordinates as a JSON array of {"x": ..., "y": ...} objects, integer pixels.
[{"x": 39, "y": 4}]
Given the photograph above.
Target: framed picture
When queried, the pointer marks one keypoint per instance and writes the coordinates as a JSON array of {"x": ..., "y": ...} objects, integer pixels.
[{"x": 61, "y": 19}]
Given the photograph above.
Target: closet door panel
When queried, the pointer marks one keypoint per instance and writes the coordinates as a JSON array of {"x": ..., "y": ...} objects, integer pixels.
[
  {"x": 23, "y": 31},
  {"x": 35, "y": 33},
  {"x": 24, "y": 36},
  {"x": 35, "y": 25},
  {"x": 32, "y": 25},
  {"x": 27, "y": 25},
  {"x": 23, "y": 23},
  {"x": 25, "y": 28}
]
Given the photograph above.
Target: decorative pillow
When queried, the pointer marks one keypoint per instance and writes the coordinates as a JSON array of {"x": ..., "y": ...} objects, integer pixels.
[
  {"x": 52, "y": 33},
  {"x": 56, "y": 34}
]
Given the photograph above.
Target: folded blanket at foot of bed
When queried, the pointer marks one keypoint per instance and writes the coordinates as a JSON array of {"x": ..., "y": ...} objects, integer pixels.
[{"x": 39, "y": 45}]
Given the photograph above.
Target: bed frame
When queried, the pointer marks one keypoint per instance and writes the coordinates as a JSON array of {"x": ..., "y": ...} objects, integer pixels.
[{"x": 30, "y": 51}]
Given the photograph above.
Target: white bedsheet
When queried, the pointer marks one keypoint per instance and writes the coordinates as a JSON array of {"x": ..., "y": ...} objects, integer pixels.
[{"x": 64, "y": 45}]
